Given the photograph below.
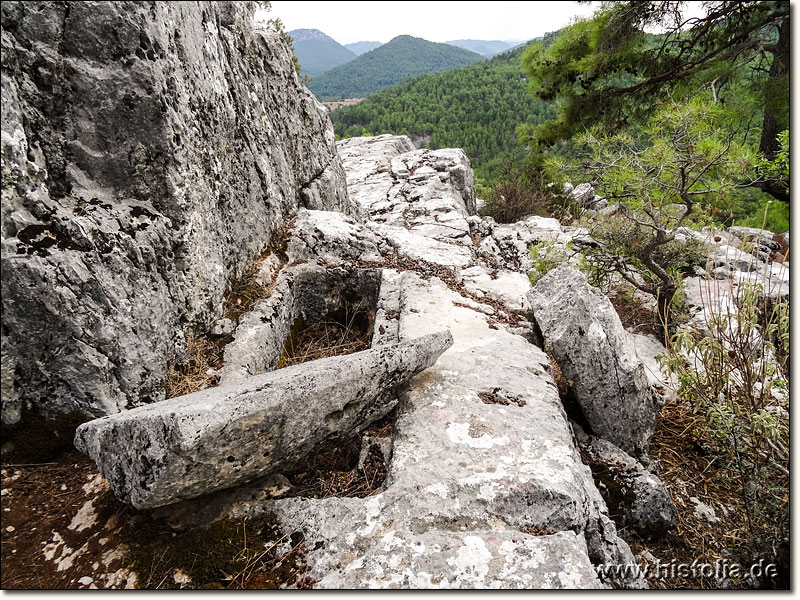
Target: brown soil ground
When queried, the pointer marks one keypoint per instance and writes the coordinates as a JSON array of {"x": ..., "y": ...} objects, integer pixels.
[
  {"x": 46, "y": 506},
  {"x": 691, "y": 469},
  {"x": 40, "y": 499},
  {"x": 635, "y": 316}
]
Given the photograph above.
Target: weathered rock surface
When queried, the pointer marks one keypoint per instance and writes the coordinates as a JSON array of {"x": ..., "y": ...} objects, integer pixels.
[
  {"x": 740, "y": 255},
  {"x": 481, "y": 445},
  {"x": 634, "y": 495},
  {"x": 213, "y": 439},
  {"x": 333, "y": 237},
  {"x": 583, "y": 332},
  {"x": 149, "y": 151},
  {"x": 485, "y": 486},
  {"x": 509, "y": 288},
  {"x": 649, "y": 348},
  {"x": 417, "y": 200}
]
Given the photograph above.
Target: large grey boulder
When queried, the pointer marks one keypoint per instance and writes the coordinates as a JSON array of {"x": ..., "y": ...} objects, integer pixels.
[
  {"x": 583, "y": 332},
  {"x": 149, "y": 152},
  {"x": 214, "y": 439}
]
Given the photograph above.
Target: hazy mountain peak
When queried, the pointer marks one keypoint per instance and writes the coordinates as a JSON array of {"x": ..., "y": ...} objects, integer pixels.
[
  {"x": 487, "y": 48},
  {"x": 318, "y": 52},
  {"x": 302, "y": 35},
  {"x": 360, "y": 48}
]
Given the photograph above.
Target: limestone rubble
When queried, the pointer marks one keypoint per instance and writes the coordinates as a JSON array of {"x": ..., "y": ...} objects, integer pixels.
[{"x": 485, "y": 486}]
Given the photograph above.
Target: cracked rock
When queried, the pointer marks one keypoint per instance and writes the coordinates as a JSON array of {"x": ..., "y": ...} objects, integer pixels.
[
  {"x": 150, "y": 151},
  {"x": 583, "y": 332},
  {"x": 638, "y": 498},
  {"x": 210, "y": 440}
]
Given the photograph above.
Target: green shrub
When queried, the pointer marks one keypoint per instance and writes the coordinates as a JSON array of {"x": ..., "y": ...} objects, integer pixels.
[
  {"x": 735, "y": 374},
  {"x": 546, "y": 256}
]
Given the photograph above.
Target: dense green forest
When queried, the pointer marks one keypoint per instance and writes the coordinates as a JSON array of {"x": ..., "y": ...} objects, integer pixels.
[
  {"x": 477, "y": 108},
  {"x": 392, "y": 63},
  {"x": 609, "y": 77}
]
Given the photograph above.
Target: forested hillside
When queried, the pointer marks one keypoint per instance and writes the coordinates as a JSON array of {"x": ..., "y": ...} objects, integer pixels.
[
  {"x": 477, "y": 108},
  {"x": 392, "y": 63}
]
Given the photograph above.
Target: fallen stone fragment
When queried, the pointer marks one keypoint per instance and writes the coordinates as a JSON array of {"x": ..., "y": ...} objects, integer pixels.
[
  {"x": 506, "y": 287},
  {"x": 217, "y": 438},
  {"x": 222, "y": 327},
  {"x": 640, "y": 500},
  {"x": 583, "y": 332},
  {"x": 704, "y": 511},
  {"x": 759, "y": 237},
  {"x": 583, "y": 194}
]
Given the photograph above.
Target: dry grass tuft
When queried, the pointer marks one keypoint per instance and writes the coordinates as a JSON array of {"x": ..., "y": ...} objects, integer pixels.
[
  {"x": 325, "y": 339},
  {"x": 690, "y": 468},
  {"x": 635, "y": 315},
  {"x": 336, "y": 473},
  {"x": 245, "y": 292},
  {"x": 561, "y": 382},
  {"x": 226, "y": 554},
  {"x": 199, "y": 373}
]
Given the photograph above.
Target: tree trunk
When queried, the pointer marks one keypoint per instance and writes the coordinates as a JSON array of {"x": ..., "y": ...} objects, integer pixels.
[
  {"x": 776, "y": 108},
  {"x": 664, "y": 298}
]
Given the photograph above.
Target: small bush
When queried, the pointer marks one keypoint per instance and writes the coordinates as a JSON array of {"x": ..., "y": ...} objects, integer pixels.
[
  {"x": 546, "y": 256},
  {"x": 624, "y": 247},
  {"x": 735, "y": 374},
  {"x": 512, "y": 200},
  {"x": 527, "y": 191}
]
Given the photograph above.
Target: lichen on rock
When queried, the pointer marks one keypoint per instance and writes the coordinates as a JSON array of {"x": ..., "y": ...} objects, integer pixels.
[{"x": 149, "y": 152}]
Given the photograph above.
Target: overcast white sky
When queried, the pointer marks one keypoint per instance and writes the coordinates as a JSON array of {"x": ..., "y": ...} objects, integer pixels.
[{"x": 348, "y": 22}]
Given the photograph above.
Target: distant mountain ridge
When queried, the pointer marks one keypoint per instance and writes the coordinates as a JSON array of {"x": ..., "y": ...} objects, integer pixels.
[
  {"x": 403, "y": 57},
  {"x": 318, "y": 52},
  {"x": 359, "y": 48},
  {"x": 487, "y": 48}
]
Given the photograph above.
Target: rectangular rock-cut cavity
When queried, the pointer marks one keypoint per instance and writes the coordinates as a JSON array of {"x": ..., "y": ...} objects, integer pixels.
[
  {"x": 313, "y": 312},
  {"x": 346, "y": 328}
]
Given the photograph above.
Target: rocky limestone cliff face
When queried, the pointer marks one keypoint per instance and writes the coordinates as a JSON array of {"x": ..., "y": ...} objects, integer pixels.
[{"x": 149, "y": 153}]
